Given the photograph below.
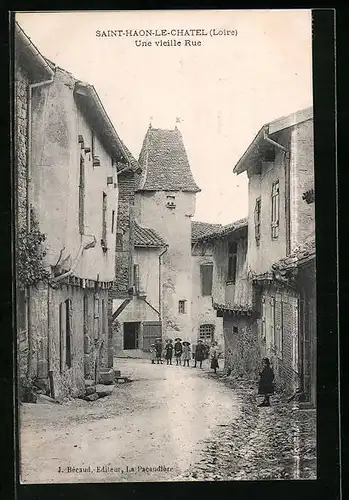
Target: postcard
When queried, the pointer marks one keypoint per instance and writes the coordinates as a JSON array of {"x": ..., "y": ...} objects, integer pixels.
[{"x": 165, "y": 246}]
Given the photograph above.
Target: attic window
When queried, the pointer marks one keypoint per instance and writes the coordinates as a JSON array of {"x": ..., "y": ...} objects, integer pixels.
[{"x": 171, "y": 201}]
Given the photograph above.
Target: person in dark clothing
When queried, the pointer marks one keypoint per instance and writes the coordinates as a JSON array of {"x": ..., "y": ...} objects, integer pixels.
[
  {"x": 178, "y": 350},
  {"x": 169, "y": 352},
  {"x": 158, "y": 351},
  {"x": 199, "y": 353},
  {"x": 266, "y": 382}
]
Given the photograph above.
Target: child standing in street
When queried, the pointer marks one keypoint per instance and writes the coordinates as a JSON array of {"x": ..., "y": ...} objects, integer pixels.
[
  {"x": 169, "y": 352},
  {"x": 178, "y": 350},
  {"x": 214, "y": 355},
  {"x": 152, "y": 353},
  {"x": 158, "y": 351},
  {"x": 266, "y": 382},
  {"x": 186, "y": 353}
]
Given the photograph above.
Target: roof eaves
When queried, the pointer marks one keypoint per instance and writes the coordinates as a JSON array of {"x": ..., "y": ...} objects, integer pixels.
[
  {"x": 251, "y": 151},
  {"x": 88, "y": 94},
  {"x": 38, "y": 63}
]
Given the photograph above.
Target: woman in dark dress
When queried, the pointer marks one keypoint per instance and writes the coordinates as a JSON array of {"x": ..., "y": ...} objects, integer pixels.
[
  {"x": 266, "y": 382},
  {"x": 199, "y": 353}
]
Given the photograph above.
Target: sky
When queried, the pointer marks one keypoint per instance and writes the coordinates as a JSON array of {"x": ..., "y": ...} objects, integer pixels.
[{"x": 222, "y": 91}]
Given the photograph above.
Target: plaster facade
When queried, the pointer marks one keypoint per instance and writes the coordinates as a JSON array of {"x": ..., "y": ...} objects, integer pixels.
[{"x": 174, "y": 227}]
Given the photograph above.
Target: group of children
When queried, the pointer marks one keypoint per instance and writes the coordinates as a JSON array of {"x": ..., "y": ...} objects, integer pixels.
[{"x": 181, "y": 351}]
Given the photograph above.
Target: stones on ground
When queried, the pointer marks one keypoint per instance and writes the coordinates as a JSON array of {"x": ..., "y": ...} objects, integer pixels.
[
  {"x": 104, "y": 390},
  {"x": 42, "y": 398},
  {"x": 92, "y": 397},
  {"x": 90, "y": 390}
]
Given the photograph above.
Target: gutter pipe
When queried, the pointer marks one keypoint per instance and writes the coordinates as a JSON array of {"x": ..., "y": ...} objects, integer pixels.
[
  {"x": 160, "y": 287},
  {"x": 274, "y": 143},
  {"x": 39, "y": 58}
]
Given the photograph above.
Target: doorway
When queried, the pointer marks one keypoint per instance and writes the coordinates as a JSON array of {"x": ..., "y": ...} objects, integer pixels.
[{"x": 131, "y": 334}]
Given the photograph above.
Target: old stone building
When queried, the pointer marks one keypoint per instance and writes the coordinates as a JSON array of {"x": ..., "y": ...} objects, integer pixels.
[
  {"x": 73, "y": 154},
  {"x": 165, "y": 201},
  {"x": 205, "y": 323},
  {"x": 280, "y": 167},
  {"x": 232, "y": 296}
]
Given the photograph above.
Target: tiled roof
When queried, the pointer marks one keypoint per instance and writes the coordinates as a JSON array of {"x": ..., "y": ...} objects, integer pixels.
[
  {"x": 301, "y": 253},
  {"x": 224, "y": 230},
  {"x": 164, "y": 162},
  {"x": 146, "y": 237},
  {"x": 132, "y": 161},
  {"x": 200, "y": 229}
]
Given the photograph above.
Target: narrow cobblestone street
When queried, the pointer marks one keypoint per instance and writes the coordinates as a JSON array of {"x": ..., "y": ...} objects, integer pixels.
[{"x": 183, "y": 419}]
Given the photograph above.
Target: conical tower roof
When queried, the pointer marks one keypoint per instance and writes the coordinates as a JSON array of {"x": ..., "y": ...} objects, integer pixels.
[{"x": 164, "y": 162}]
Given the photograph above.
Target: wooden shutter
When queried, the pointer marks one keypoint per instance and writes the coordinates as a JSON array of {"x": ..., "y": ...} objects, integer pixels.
[
  {"x": 206, "y": 271},
  {"x": 151, "y": 331}
]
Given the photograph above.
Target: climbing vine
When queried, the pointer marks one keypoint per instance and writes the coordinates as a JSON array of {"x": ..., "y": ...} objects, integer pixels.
[{"x": 30, "y": 256}]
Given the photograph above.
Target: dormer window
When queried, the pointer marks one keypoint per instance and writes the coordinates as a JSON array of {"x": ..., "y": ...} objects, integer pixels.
[{"x": 171, "y": 201}]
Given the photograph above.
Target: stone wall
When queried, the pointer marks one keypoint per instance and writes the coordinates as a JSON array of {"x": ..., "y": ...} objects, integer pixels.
[
  {"x": 123, "y": 252},
  {"x": 302, "y": 179},
  {"x": 242, "y": 353},
  {"x": 20, "y": 192}
]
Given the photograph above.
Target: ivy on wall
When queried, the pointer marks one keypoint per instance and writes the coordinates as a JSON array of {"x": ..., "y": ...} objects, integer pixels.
[{"x": 30, "y": 256}]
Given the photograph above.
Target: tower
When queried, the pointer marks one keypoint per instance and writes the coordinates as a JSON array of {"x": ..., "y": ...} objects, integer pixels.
[{"x": 165, "y": 200}]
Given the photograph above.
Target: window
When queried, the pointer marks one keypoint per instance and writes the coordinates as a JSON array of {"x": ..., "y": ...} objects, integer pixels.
[
  {"x": 206, "y": 332},
  {"x": 81, "y": 195},
  {"x": 136, "y": 277},
  {"x": 257, "y": 220},
  {"x": 275, "y": 202},
  {"x": 206, "y": 271},
  {"x": 119, "y": 241},
  {"x": 96, "y": 318},
  {"x": 112, "y": 221},
  {"x": 171, "y": 202},
  {"x": 68, "y": 320},
  {"x": 235, "y": 329},
  {"x": 182, "y": 306},
  {"x": 104, "y": 222},
  {"x": 232, "y": 260}
]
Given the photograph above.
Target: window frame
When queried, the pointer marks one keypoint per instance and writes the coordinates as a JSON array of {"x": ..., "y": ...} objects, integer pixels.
[
  {"x": 232, "y": 258},
  {"x": 182, "y": 306},
  {"x": 257, "y": 219},
  {"x": 203, "y": 288},
  {"x": 275, "y": 209},
  {"x": 104, "y": 221},
  {"x": 202, "y": 334}
]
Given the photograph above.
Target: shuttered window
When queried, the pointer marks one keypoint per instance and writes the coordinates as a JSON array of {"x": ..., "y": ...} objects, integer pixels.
[
  {"x": 232, "y": 262},
  {"x": 206, "y": 272},
  {"x": 275, "y": 205},
  {"x": 104, "y": 221},
  {"x": 257, "y": 220}
]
